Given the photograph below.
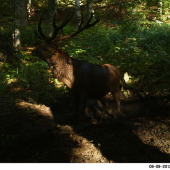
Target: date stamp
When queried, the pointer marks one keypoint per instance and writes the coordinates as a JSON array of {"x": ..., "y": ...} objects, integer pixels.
[{"x": 159, "y": 166}]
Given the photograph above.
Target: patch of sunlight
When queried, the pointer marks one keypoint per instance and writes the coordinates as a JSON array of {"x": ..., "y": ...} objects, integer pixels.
[
  {"x": 41, "y": 110},
  {"x": 78, "y": 51},
  {"x": 56, "y": 82},
  {"x": 9, "y": 81},
  {"x": 86, "y": 151},
  {"x": 99, "y": 57},
  {"x": 130, "y": 39},
  {"x": 127, "y": 78},
  {"x": 152, "y": 136}
]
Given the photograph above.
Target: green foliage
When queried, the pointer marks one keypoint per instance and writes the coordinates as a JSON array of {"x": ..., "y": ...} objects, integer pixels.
[
  {"x": 33, "y": 74},
  {"x": 27, "y": 35}
]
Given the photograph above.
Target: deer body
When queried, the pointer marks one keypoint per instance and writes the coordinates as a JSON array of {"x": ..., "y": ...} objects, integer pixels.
[{"x": 84, "y": 79}]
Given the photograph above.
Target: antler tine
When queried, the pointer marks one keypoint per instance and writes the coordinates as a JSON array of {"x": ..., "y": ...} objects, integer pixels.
[
  {"x": 95, "y": 22},
  {"x": 56, "y": 29},
  {"x": 35, "y": 33},
  {"x": 87, "y": 25},
  {"x": 89, "y": 19},
  {"x": 81, "y": 22},
  {"x": 40, "y": 29},
  {"x": 67, "y": 19}
]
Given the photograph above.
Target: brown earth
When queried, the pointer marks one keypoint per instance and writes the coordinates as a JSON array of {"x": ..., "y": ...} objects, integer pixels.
[{"x": 31, "y": 132}]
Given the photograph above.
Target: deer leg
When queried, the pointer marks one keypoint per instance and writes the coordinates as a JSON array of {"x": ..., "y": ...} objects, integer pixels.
[
  {"x": 105, "y": 105},
  {"x": 116, "y": 93},
  {"x": 83, "y": 104}
]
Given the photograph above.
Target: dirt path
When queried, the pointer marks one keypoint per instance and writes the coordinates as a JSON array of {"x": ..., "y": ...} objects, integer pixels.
[{"x": 45, "y": 133}]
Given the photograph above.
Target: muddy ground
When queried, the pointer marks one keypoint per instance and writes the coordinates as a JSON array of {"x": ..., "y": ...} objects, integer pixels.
[{"x": 44, "y": 133}]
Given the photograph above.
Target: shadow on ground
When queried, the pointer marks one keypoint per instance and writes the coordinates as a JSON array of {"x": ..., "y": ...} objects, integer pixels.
[{"x": 45, "y": 133}]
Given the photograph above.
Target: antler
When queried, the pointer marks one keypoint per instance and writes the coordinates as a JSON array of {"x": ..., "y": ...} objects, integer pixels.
[
  {"x": 42, "y": 37},
  {"x": 80, "y": 29},
  {"x": 56, "y": 29}
]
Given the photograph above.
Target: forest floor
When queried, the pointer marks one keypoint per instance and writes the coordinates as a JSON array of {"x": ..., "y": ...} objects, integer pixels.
[{"x": 30, "y": 132}]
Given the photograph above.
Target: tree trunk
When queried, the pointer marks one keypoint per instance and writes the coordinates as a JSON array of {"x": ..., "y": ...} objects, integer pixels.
[
  {"x": 160, "y": 9},
  {"x": 24, "y": 21},
  {"x": 52, "y": 5},
  {"x": 77, "y": 13},
  {"x": 133, "y": 9},
  {"x": 17, "y": 23},
  {"x": 29, "y": 9},
  {"x": 90, "y": 9}
]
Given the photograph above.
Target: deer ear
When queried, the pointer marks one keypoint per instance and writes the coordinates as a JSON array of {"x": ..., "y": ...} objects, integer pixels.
[{"x": 50, "y": 48}]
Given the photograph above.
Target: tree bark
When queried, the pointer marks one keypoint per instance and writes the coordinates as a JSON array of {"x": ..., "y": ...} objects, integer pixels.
[
  {"x": 160, "y": 9},
  {"x": 52, "y": 5},
  {"x": 24, "y": 21},
  {"x": 133, "y": 9},
  {"x": 90, "y": 9},
  {"x": 29, "y": 9},
  {"x": 17, "y": 24},
  {"x": 77, "y": 13}
]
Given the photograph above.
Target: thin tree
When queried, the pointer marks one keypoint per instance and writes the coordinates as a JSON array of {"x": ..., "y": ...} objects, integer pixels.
[
  {"x": 160, "y": 9},
  {"x": 52, "y": 6},
  {"x": 29, "y": 9},
  {"x": 133, "y": 9},
  {"x": 24, "y": 20},
  {"x": 77, "y": 13},
  {"x": 90, "y": 9},
  {"x": 16, "y": 25}
]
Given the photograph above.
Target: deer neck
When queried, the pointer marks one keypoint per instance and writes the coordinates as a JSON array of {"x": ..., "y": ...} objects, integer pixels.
[{"x": 60, "y": 64}]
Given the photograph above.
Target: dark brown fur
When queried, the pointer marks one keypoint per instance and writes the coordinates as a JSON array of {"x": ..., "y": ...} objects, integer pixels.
[{"x": 85, "y": 80}]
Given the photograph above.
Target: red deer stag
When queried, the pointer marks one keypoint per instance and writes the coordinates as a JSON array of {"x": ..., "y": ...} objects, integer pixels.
[{"x": 85, "y": 80}]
